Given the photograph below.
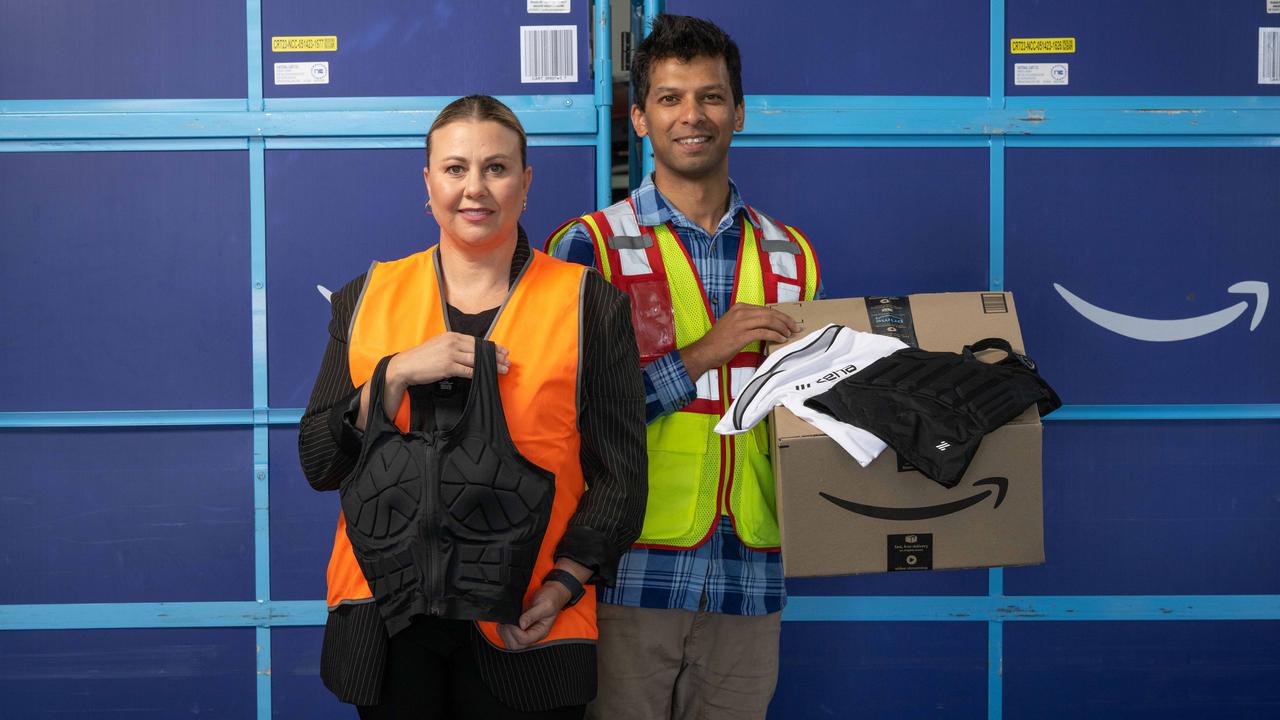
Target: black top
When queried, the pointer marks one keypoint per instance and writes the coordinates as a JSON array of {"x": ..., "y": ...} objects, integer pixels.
[{"x": 608, "y": 519}]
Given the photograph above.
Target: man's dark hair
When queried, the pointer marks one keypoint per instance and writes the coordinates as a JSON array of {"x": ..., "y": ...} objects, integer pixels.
[{"x": 684, "y": 38}]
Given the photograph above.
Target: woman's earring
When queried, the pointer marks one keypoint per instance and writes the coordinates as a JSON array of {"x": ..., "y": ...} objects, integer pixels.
[
  {"x": 427, "y": 204},
  {"x": 526, "y": 204}
]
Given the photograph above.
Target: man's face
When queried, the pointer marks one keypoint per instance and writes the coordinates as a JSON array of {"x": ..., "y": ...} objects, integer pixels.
[{"x": 689, "y": 116}]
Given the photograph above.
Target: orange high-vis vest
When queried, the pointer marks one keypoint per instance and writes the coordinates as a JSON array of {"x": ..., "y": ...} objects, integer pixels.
[{"x": 402, "y": 306}]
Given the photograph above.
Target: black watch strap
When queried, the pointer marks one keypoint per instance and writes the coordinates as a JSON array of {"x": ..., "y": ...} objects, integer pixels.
[{"x": 566, "y": 578}]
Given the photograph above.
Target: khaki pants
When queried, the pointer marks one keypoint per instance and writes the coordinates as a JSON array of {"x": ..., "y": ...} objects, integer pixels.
[{"x": 660, "y": 664}]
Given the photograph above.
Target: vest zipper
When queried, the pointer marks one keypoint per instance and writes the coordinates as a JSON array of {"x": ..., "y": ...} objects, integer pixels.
[{"x": 435, "y": 585}]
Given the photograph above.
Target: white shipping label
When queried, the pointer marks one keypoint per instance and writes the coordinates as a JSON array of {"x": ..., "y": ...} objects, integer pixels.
[
  {"x": 554, "y": 6},
  {"x": 1040, "y": 73},
  {"x": 548, "y": 53},
  {"x": 1269, "y": 56},
  {"x": 302, "y": 73},
  {"x": 1273, "y": 6}
]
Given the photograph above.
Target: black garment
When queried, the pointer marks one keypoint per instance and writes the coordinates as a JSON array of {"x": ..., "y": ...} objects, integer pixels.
[
  {"x": 614, "y": 465},
  {"x": 433, "y": 675},
  {"x": 934, "y": 408},
  {"x": 446, "y": 521}
]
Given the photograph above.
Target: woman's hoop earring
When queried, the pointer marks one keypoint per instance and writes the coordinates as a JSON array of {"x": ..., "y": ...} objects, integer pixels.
[
  {"x": 526, "y": 204},
  {"x": 427, "y": 204}
]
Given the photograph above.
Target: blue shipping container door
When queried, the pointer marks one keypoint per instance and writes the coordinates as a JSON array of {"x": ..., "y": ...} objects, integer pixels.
[
  {"x": 142, "y": 49},
  {"x": 330, "y": 213},
  {"x": 1141, "y": 274},
  {"x": 1141, "y": 671},
  {"x": 444, "y": 47},
  {"x": 126, "y": 515},
  {"x": 883, "y": 221},
  {"x": 866, "y": 47},
  {"x": 125, "y": 277},
  {"x": 882, "y": 670},
  {"x": 1169, "y": 508},
  {"x": 155, "y": 674},
  {"x": 1144, "y": 47}
]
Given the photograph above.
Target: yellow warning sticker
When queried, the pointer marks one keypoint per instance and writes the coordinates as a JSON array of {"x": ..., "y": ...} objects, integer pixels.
[
  {"x": 304, "y": 43},
  {"x": 1032, "y": 46}
]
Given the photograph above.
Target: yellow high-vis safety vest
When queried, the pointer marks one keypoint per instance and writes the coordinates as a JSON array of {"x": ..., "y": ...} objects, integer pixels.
[{"x": 696, "y": 475}]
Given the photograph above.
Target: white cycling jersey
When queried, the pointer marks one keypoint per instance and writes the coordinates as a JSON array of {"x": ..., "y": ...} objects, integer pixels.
[{"x": 804, "y": 368}]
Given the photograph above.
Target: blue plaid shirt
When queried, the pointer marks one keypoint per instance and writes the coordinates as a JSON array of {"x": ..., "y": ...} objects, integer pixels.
[{"x": 721, "y": 575}]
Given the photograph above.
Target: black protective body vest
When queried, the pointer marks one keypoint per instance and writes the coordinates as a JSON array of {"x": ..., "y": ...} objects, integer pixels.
[
  {"x": 933, "y": 408},
  {"x": 447, "y": 522}
]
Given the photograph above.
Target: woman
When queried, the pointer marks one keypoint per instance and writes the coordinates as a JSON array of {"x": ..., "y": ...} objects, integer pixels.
[{"x": 432, "y": 637}]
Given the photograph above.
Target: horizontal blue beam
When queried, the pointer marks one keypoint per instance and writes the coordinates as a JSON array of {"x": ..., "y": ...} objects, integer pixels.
[
  {"x": 412, "y": 141},
  {"x": 124, "y": 106},
  {"x": 803, "y": 118},
  {"x": 1165, "y": 412},
  {"x": 540, "y": 115},
  {"x": 124, "y": 145},
  {"x": 1134, "y": 141},
  {"x": 291, "y": 416},
  {"x": 948, "y": 608},
  {"x": 160, "y": 615},
  {"x": 899, "y": 141},
  {"x": 1187, "y": 103},
  {"x": 1003, "y": 609}
]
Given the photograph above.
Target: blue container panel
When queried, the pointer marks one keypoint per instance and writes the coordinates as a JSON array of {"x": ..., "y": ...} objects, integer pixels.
[
  {"x": 296, "y": 690},
  {"x": 900, "y": 220},
  {"x": 144, "y": 49},
  {"x": 1145, "y": 47},
  {"x": 950, "y": 582},
  {"x": 882, "y": 670},
  {"x": 157, "y": 674},
  {"x": 331, "y": 212},
  {"x": 402, "y": 48},
  {"x": 125, "y": 280},
  {"x": 1135, "y": 670},
  {"x": 1161, "y": 508},
  {"x": 868, "y": 47},
  {"x": 1152, "y": 234},
  {"x": 302, "y": 523},
  {"x": 116, "y": 515}
]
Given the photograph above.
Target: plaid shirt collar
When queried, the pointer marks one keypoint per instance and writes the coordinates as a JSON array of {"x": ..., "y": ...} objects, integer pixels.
[{"x": 654, "y": 209}]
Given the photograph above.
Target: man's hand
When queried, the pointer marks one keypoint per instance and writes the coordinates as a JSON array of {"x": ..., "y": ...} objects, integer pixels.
[{"x": 742, "y": 325}]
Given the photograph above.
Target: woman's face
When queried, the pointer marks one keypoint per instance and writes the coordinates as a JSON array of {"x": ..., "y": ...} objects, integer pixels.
[{"x": 476, "y": 183}]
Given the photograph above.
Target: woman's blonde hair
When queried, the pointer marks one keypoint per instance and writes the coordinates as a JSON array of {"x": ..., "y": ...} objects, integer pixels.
[{"x": 480, "y": 107}]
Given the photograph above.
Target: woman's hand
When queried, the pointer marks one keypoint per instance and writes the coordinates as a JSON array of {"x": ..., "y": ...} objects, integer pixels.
[
  {"x": 446, "y": 355},
  {"x": 541, "y": 611},
  {"x": 538, "y": 617}
]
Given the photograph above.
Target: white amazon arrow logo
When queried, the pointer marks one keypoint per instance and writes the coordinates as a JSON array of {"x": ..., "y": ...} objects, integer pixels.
[
  {"x": 326, "y": 293},
  {"x": 1172, "y": 330}
]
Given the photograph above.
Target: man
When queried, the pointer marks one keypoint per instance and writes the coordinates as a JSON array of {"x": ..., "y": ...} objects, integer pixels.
[{"x": 691, "y": 627}]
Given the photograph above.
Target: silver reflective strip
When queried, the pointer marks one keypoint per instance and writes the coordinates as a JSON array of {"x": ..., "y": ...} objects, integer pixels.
[
  {"x": 708, "y": 385},
  {"x": 738, "y": 379},
  {"x": 351, "y": 327},
  {"x": 622, "y": 219},
  {"x": 783, "y": 263},
  {"x": 634, "y": 262},
  {"x": 631, "y": 242}
]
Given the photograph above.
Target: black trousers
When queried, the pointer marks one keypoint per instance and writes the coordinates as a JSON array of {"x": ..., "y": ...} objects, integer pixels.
[{"x": 432, "y": 675}]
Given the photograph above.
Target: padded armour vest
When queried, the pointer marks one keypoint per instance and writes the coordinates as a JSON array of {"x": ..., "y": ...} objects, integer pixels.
[
  {"x": 402, "y": 305},
  {"x": 934, "y": 408},
  {"x": 447, "y": 521}
]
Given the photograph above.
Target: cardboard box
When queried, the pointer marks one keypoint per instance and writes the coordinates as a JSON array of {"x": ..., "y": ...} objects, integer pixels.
[{"x": 886, "y": 517}]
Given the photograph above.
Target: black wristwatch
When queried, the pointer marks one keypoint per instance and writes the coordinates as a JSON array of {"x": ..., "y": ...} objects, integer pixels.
[{"x": 566, "y": 578}]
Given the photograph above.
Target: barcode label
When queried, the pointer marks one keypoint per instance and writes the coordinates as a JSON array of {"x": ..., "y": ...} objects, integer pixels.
[
  {"x": 548, "y": 53},
  {"x": 994, "y": 303},
  {"x": 1269, "y": 56}
]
